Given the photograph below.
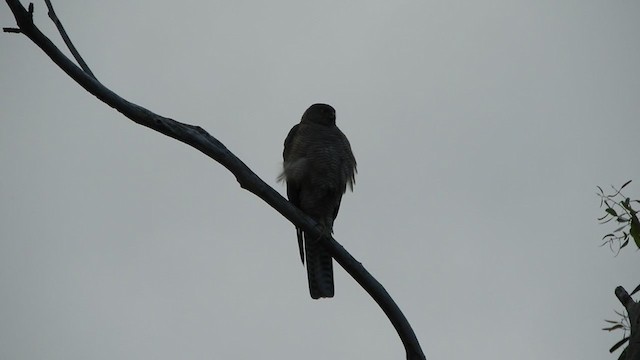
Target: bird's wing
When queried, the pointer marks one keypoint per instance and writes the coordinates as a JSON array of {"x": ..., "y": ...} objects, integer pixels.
[
  {"x": 350, "y": 166},
  {"x": 288, "y": 142},
  {"x": 293, "y": 189}
]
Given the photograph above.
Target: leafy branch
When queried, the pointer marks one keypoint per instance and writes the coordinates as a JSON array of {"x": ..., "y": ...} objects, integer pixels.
[
  {"x": 629, "y": 324},
  {"x": 618, "y": 208},
  {"x": 622, "y": 324}
]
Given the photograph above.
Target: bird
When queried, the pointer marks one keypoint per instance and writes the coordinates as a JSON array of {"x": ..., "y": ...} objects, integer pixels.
[{"x": 318, "y": 167}]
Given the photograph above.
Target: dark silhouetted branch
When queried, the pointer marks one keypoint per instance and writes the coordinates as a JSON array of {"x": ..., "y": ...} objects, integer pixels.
[
  {"x": 67, "y": 40},
  {"x": 632, "y": 352},
  {"x": 207, "y": 144}
]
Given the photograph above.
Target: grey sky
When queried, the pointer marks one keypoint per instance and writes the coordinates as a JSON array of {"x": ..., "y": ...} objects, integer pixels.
[{"x": 480, "y": 128}]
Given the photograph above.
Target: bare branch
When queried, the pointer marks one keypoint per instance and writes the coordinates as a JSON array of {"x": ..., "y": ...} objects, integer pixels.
[
  {"x": 67, "y": 40},
  {"x": 198, "y": 138}
]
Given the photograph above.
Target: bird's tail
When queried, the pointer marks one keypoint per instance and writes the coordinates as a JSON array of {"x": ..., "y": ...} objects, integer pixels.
[{"x": 319, "y": 269}]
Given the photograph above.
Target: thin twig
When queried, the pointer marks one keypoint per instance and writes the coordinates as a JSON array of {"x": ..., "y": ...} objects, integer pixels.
[
  {"x": 67, "y": 40},
  {"x": 198, "y": 138}
]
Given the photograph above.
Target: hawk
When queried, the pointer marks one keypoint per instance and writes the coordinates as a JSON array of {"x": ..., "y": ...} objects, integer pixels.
[{"x": 318, "y": 167}]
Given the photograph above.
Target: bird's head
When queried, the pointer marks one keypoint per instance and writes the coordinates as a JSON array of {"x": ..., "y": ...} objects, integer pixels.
[{"x": 321, "y": 114}]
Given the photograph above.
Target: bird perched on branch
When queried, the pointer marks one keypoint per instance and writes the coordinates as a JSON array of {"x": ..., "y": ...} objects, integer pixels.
[{"x": 318, "y": 167}]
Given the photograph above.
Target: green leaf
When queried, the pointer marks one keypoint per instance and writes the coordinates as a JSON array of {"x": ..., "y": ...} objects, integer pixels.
[
  {"x": 606, "y": 221},
  {"x": 611, "y": 211},
  {"x": 634, "y": 231},
  {"x": 635, "y": 290},
  {"x": 618, "y": 326},
  {"x": 620, "y": 228},
  {"x": 625, "y": 243},
  {"x": 625, "y": 184},
  {"x": 618, "y": 344}
]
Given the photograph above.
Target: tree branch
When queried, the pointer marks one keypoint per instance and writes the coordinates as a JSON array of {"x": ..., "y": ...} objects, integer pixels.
[
  {"x": 198, "y": 138},
  {"x": 67, "y": 40},
  {"x": 632, "y": 352}
]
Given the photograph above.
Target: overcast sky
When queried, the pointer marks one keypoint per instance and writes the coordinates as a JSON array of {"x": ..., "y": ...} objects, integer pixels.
[{"x": 481, "y": 131}]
